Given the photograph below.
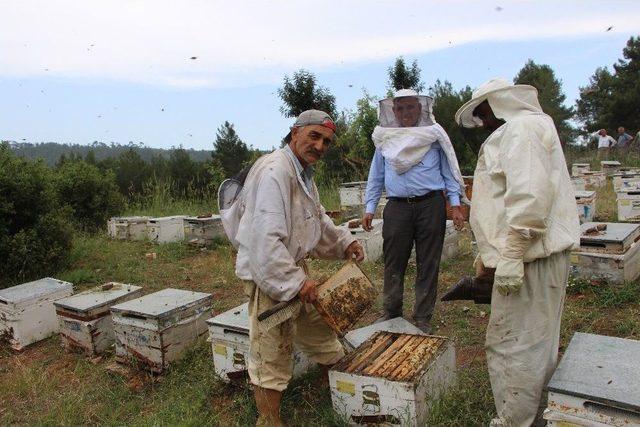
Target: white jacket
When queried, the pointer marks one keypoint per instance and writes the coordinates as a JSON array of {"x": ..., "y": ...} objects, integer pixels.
[
  {"x": 281, "y": 223},
  {"x": 521, "y": 184}
]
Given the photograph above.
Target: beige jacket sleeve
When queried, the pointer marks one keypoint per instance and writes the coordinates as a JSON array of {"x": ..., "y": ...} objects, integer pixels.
[
  {"x": 525, "y": 160},
  {"x": 333, "y": 240},
  {"x": 272, "y": 267}
]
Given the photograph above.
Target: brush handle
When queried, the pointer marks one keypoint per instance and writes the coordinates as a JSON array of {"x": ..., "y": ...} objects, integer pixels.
[{"x": 276, "y": 308}]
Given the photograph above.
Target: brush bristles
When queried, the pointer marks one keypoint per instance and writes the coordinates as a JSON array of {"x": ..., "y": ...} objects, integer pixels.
[{"x": 280, "y": 317}]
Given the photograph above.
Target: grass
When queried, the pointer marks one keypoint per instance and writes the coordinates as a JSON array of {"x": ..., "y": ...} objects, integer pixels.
[{"x": 44, "y": 385}]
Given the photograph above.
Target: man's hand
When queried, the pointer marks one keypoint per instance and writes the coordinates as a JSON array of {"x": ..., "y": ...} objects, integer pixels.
[
  {"x": 309, "y": 292},
  {"x": 356, "y": 250},
  {"x": 367, "y": 219},
  {"x": 458, "y": 217}
]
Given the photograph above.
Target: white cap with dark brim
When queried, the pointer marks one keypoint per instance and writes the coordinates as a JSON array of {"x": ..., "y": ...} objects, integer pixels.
[{"x": 464, "y": 116}]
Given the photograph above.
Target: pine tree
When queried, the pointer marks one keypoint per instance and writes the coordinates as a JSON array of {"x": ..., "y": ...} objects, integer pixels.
[
  {"x": 229, "y": 150},
  {"x": 301, "y": 92},
  {"x": 403, "y": 77},
  {"x": 550, "y": 95}
]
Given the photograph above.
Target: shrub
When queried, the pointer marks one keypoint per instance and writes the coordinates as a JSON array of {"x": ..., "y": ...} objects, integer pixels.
[
  {"x": 91, "y": 194},
  {"x": 35, "y": 237}
]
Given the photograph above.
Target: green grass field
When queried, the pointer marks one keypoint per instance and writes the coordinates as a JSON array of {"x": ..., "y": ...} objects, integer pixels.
[{"x": 44, "y": 385}]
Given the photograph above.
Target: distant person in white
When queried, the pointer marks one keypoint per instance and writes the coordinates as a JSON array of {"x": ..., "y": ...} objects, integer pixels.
[{"x": 605, "y": 142}]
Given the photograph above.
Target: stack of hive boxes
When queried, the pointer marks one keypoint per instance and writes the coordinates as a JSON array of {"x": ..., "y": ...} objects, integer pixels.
[
  {"x": 156, "y": 329},
  {"x": 596, "y": 383},
  {"x": 392, "y": 378},
  {"x": 27, "y": 313},
  {"x": 608, "y": 251}
]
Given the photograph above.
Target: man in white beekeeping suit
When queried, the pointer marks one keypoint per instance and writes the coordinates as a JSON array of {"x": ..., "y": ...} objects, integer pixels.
[{"x": 524, "y": 218}]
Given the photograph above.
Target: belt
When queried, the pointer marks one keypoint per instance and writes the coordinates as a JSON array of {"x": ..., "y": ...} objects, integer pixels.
[{"x": 415, "y": 199}]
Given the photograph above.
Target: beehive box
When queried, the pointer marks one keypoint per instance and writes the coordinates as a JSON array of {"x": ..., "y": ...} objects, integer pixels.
[
  {"x": 352, "y": 199},
  {"x": 450, "y": 246},
  {"x": 596, "y": 383},
  {"x": 27, "y": 314},
  {"x": 345, "y": 297},
  {"x": 203, "y": 230},
  {"x": 586, "y": 203},
  {"x": 594, "y": 179},
  {"x": 156, "y": 329},
  {"x": 358, "y": 336},
  {"x": 166, "y": 229},
  {"x": 229, "y": 336},
  {"x": 629, "y": 205},
  {"x": 623, "y": 181},
  {"x": 85, "y": 320},
  {"x": 578, "y": 183},
  {"x": 371, "y": 241},
  {"x": 392, "y": 378},
  {"x": 613, "y": 255},
  {"x": 579, "y": 168},
  {"x": 128, "y": 228},
  {"x": 609, "y": 167}
]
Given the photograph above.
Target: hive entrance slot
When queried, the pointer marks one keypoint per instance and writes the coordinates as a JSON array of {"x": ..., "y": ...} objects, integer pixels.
[
  {"x": 134, "y": 316},
  {"x": 594, "y": 244}
]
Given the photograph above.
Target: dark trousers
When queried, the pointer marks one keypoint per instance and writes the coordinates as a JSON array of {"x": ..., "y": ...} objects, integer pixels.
[{"x": 404, "y": 223}]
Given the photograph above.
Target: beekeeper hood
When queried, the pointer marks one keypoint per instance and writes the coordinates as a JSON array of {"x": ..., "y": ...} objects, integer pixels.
[
  {"x": 406, "y": 109},
  {"x": 406, "y": 131},
  {"x": 505, "y": 99}
]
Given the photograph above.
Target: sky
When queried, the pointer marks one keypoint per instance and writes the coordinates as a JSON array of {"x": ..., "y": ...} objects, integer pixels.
[{"x": 169, "y": 73}]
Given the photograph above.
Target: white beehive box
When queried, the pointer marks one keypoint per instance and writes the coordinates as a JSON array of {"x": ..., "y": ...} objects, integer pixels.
[
  {"x": 371, "y": 241},
  {"x": 157, "y": 329},
  {"x": 579, "y": 168},
  {"x": 352, "y": 193},
  {"x": 27, "y": 314},
  {"x": 609, "y": 167},
  {"x": 229, "y": 336},
  {"x": 629, "y": 205},
  {"x": 586, "y": 203},
  {"x": 450, "y": 246},
  {"x": 128, "y": 228},
  {"x": 392, "y": 378},
  {"x": 85, "y": 320},
  {"x": 203, "y": 230},
  {"x": 352, "y": 199},
  {"x": 356, "y": 337},
  {"x": 625, "y": 180},
  {"x": 596, "y": 383},
  {"x": 594, "y": 179},
  {"x": 578, "y": 183},
  {"x": 166, "y": 229},
  {"x": 613, "y": 255}
]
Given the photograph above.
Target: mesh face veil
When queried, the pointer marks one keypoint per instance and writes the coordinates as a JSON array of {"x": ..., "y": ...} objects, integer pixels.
[{"x": 406, "y": 109}]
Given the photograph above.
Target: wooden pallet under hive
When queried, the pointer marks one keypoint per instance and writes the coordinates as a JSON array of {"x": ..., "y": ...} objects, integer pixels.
[{"x": 392, "y": 378}]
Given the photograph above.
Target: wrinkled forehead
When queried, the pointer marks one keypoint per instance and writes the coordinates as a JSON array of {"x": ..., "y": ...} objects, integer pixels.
[{"x": 405, "y": 101}]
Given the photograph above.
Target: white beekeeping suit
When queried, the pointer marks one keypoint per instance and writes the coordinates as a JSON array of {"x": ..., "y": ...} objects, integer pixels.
[{"x": 525, "y": 221}]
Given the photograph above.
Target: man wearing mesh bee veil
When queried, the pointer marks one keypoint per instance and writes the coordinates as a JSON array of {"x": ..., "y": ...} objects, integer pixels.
[{"x": 415, "y": 163}]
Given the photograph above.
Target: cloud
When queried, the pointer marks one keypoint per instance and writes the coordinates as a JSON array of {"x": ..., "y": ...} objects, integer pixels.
[{"x": 253, "y": 42}]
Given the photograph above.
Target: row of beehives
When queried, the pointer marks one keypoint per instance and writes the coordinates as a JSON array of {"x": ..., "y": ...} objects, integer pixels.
[
  {"x": 199, "y": 230},
  {"x": 608, "y": 251},
  {"x": 152, "y": 330},
  {"x": 626, "y": 184},
  {"x": 352, "y": 198},
  {"x": 372, "y": 241},
  {"x": 393, "y": 372}
]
